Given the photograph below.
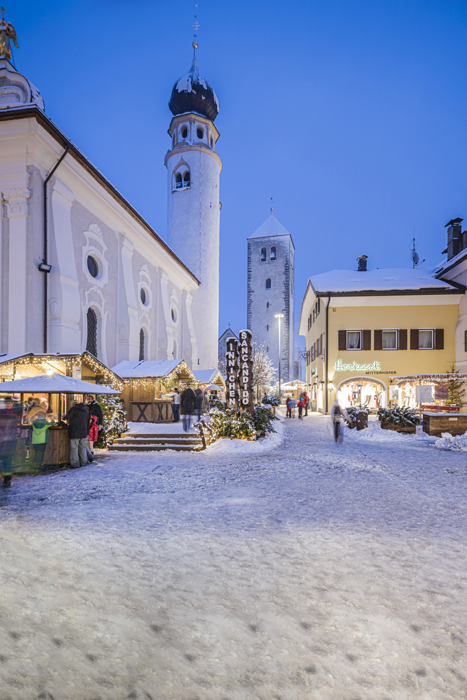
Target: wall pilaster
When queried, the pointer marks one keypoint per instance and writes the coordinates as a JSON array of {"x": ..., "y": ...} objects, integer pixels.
[{"x": 16, "y": 199}]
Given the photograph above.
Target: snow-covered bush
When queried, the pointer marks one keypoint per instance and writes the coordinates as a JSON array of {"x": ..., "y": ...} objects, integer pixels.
[
  {"x": 352, "y": 412},
  {"x": 271, "y": 400},
  {"x": 263, "y": 420},
  {"x": 398, "y": 416},
  {"x": 227, "y": 424},
  {"x": 456, "y": 443},
  {"x": 114, "y": 418}
]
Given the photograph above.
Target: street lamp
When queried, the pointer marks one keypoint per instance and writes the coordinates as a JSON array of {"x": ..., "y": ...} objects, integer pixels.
[{"x": 279, "y": 316}]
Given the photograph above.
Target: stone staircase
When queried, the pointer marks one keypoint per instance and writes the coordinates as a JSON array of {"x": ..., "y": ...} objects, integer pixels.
[{"x": 155, "y": 442}]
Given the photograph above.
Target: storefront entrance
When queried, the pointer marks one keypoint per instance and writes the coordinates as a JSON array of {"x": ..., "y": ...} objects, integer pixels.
[{"x": 364, "y": 391}]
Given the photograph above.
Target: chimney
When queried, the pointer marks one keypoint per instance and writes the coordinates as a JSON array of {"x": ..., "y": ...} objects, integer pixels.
[
  {"x": 454, "y": 237},
  {"x": 362, "y": 263}
]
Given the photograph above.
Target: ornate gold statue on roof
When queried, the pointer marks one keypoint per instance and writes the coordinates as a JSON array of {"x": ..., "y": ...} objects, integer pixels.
[{"x": 7, "y": 32}]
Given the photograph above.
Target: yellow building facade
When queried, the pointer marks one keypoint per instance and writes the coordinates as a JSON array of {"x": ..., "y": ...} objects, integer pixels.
[{"x": 363, "y": 329}]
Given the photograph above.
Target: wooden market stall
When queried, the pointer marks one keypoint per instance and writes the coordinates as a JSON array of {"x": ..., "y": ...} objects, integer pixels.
[
  {"x": 52, "y": 389},
  {"x": 147, "y": 387},
  {"x": 211, "y": 381}
]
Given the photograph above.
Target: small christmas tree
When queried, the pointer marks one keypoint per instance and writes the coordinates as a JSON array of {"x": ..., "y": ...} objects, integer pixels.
[
  {"x": 456, "y": 388},
  {"x": 114, "y": 418}
]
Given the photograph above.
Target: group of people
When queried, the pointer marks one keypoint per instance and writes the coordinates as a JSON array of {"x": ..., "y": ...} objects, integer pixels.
[
  {"x": 302, "y": 405},
  {"x": 85, "y": 420},
  {"x": 189, "y": 401}
]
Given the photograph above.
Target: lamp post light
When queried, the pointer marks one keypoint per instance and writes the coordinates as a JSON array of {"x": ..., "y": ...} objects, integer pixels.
[{"x": 279, "y": 316}]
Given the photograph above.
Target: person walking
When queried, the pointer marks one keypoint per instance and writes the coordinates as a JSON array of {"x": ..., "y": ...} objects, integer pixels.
[
  {"x": 301, "y": 406},
  {"x": 96, "y": 423},
  {"x": 8, "y": 439},
  {"x": 306, "y": 401},
  {"x": 199, "y": 402},
  {"x": 338, "y": 415},
  {"x": 287, "y": 408},
  {"x": 40, "y": 438},
  {"x": 176, "y": 405},
  {"x": 78, "y": 430},
  {"x": 292, "y": 404},
  {"x": 187, "y": 403}
]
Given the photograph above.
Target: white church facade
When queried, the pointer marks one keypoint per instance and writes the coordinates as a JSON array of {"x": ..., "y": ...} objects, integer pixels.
[{"x": 80, "y": 269}]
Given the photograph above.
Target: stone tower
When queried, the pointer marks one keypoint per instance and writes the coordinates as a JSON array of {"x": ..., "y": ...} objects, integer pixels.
[
  {"x": 193, "y": 168},
  {"x": 271, "y": 291}
]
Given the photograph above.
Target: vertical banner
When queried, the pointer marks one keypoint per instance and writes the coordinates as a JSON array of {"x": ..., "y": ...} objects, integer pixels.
[
  {"x": 246, "y": 371},
  {"x": 231, "y": 357}
]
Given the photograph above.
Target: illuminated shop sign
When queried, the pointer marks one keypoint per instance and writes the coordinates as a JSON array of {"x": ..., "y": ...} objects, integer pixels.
[{"x": 354, "y": 366}]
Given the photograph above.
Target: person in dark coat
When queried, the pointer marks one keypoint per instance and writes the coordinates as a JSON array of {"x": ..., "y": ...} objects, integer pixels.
[
  {"x": 199, "y": 402},
  {"x": 8, "y": 439},
  {"x": 78, "y": 429},
  {"x": 187, "y": 403}
]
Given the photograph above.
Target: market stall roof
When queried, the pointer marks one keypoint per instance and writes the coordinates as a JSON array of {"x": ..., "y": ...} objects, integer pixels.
[
  {"x": 53, "y": 384},
  {"x": 5, "y": 357},
  {"x": 209, "y": 376},
  {"x": 429, "y": 377},
  {"x": 152, "y": 369}
]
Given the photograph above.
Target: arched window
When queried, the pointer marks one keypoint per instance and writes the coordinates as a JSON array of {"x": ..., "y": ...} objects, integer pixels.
[
  {"x": 141, "y": 344},
  {"x": 199, "y": 132},
  {"x": 263, "y": 254},
  {"x": 186, "y": 179},
  {"x": 273, "y": 253},
  {"x": 91, "y": 342},
  {"x": 268, "y": 284},
  {"x": 182, "y": 179},
  {"x": 178, "y": 181},
  {"x": 184, "y": 132}
]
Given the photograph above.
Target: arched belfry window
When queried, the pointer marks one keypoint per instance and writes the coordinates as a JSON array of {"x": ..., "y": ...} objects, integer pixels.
[
  {"x": 91, "y": 342},
  {"x": 141, "y": 344},
  {"x": 178, "y": 181},
  {"x": 268, "y": 284},
  {"x": 263, "y": 254},
  {"x": 186, "y": 179},
  {"x": 273, "y": 252}
]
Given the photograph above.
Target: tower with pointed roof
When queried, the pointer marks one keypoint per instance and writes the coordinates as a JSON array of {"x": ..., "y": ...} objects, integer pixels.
[
  {"x": 193, "y": 169},
  {"x": 271, "y": 291}
]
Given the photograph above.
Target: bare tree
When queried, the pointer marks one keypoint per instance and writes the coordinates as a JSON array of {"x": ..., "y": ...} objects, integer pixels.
[{"x": 264, "y": 373}]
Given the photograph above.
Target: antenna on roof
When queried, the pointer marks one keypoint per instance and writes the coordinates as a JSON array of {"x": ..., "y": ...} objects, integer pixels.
[{"x": 414, "y": 254}]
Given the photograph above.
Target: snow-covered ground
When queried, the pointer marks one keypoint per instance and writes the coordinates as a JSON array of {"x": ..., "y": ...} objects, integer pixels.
[{"x": 303, "y": 570}]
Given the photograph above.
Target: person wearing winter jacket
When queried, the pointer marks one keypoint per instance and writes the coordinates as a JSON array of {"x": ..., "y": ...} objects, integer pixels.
[
  {"x": 176, "y": 405},
  {"x": 78, "y": 430},
  {"x": 40, "y": 438},
  {"x": 301, "y": 406},
  {"x": 306, "y": 401},
  {"x": 8, "y": 439},
  {"x": 338, "y": 416},
  {"x": 199, "y": 402},
  {"x": 187, "y": 403},
  {"x": 96, "y": 422}
]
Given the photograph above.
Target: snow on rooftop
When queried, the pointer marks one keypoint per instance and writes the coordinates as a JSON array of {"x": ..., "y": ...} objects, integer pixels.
[
  {"x": 271, "y": 227},
  {"x": 376, "y": 280},
  {"x": 130, "y": 369}
]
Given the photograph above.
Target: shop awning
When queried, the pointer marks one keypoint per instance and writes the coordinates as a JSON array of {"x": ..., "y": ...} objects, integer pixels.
[
  {"x": 428, "y": 377},
  {"x": 53, "y": 384}
]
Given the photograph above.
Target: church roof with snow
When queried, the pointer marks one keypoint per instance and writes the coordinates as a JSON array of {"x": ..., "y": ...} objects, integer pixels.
[
  {"x": 269, "y": 228},
  {"x": 193, "y": 93}
]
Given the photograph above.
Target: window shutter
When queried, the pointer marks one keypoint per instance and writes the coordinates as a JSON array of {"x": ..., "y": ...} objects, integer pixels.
[
  {"x": 439, "y": 339},
  {"x": 342, "y": 340},
  {"x": 378, "y": 340},
  {"x": 414, "y": 338},
  {"x": 403, "y": 339},
  {"x": 367, "y": 340}
]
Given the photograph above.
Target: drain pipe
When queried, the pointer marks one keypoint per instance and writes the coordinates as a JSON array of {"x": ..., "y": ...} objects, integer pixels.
[
  {"x": 327, "y": 354},
  {"x": 45, "y": 267}
]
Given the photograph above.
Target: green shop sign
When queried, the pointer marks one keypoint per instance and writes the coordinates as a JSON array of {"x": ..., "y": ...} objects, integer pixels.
[{"x": 354, "y": 366}]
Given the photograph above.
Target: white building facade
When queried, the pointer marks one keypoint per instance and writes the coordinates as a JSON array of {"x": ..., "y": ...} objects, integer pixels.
[
  {"x": 80, "y": 268},
  {"x": 271, "y": 291}
]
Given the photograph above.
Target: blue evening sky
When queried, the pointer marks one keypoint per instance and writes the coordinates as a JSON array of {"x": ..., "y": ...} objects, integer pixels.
[{"x": 350, "y": 114}]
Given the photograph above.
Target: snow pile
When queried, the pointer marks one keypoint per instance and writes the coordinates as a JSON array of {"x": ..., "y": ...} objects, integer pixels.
[
  {"x": 456, "y": 443},
  {"x": 374, "y": 433},
  {"x": 224, "y": 446}
]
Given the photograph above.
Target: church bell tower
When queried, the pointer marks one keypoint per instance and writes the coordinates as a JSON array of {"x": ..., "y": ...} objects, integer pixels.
[{"x": 193, "y": 169}]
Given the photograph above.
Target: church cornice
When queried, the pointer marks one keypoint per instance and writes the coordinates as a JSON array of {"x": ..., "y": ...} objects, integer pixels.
[
  {"x": 49, "y": 126},
  {"x": 187, "y": 149}
]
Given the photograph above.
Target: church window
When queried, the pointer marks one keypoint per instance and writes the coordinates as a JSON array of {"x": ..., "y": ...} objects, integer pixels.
[
  {"x": 93, "y": 267},
  {"x": 141, "y": 344},
  {"x": 267, "y": 328},
  {"x": 184, "y": 132},
  {"x": 178, "y": 181},
  {"x": 143, "y": 296},
  {"x": 212, "y": 142},
  {"x": 267, "y": 305},
  {"x": 273, "y": 253},
  {"x": 91, "y": 342},
  {"x": 199, "y": 132},
  {"x": 263, "y": 254},
  {"x": 268, "y": 284},
  {"x": 186, "y": 179},
  {"x": 173, "y": 313},
  {"x": 173, "y": 140}
]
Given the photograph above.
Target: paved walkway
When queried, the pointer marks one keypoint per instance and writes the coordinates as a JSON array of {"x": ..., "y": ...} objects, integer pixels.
[{"x": 310, "y": 571}]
